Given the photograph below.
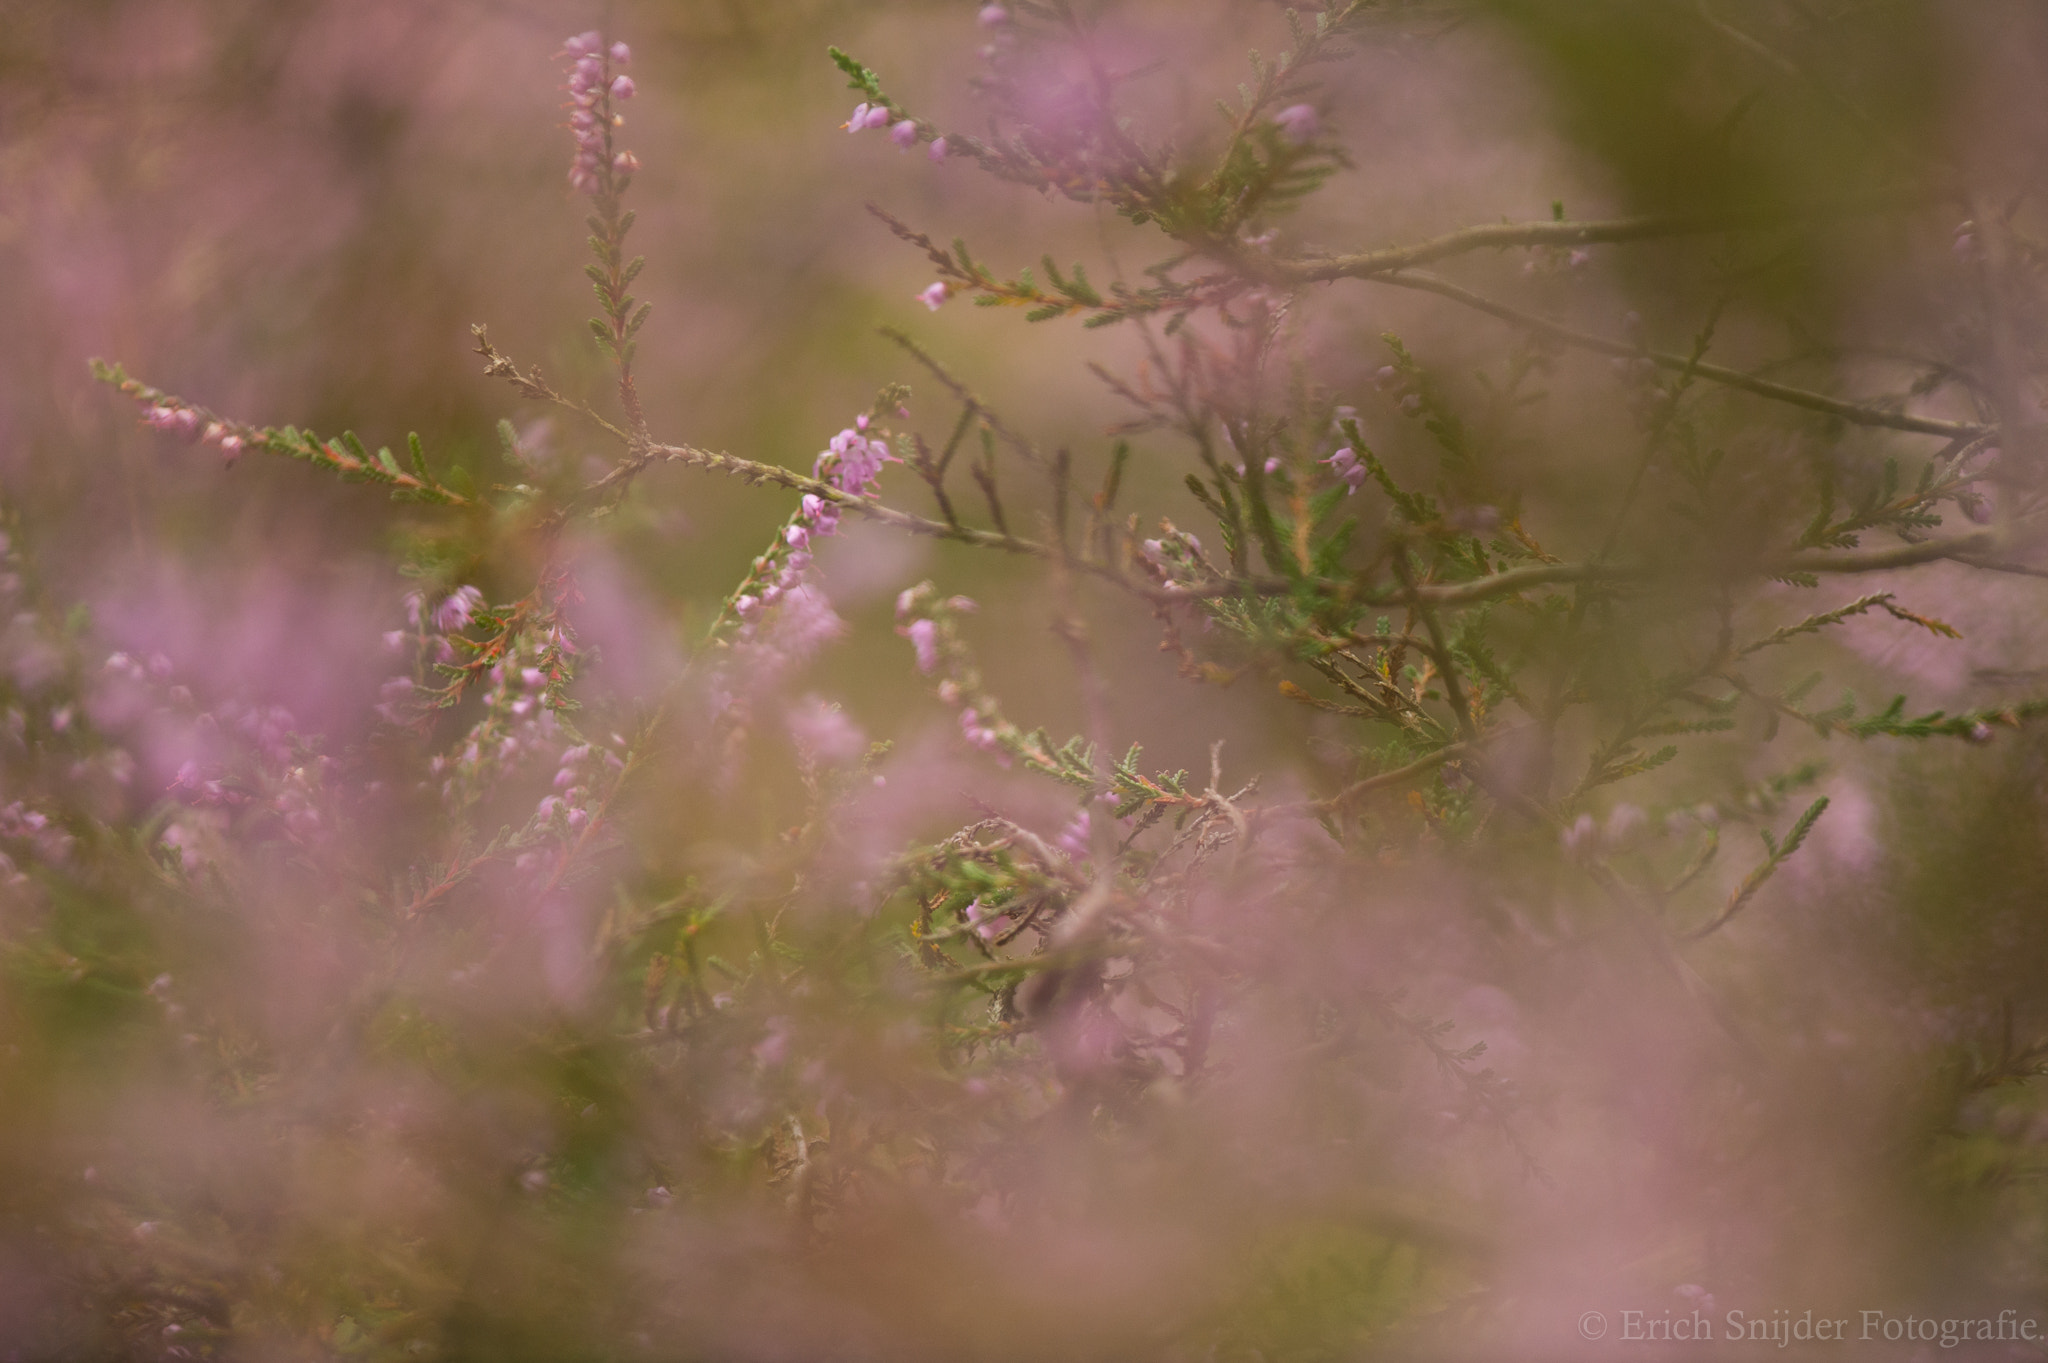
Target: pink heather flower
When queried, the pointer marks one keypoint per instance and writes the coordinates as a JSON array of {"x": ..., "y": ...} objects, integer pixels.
[
  {"x": 457, "y": 609},
  {"x": 823, "y": 515},
  {"x": 904, "y": 134},
  {"x": 878, "y": 115},
  {"x": 621, "y": 54},
  {"x": 937, "y": 150},
  {"x": 981, "y": 735},
  {"x": 805, "y": 624},
  {"x": 824, "y": 733},
  {"x": 797, "y": 536},
  {"x": 992, "y": 16},
  {"x": 1579, "y": 835},
  {"x": 924, "y": 637},
  {"x": 625, "y": 163},
  {"x": 583, "y": 44},
  {"x": 985, "y": 927},
  {"x": 1344, "y": 463},
  {"x": 852, "y": 461},
  {"x": 1073, "y": 839},
  {"x": 936, "y": 294},
  {"x": 1298, "y": 123},
  {"x": 622, "y": 87},
  {"x": 859, "y": 120}
]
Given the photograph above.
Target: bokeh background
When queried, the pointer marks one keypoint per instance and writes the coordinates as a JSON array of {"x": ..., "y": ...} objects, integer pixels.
[{"x": 293, "y": 210}]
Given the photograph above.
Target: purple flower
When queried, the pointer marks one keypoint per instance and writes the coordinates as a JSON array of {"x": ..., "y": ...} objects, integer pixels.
[
  {"x": 1298, "y": 123},
  {"x": 622, "y": 87},
  {"x": 878, "y": 115},
  {"x": 934, "y": 295},
  {"x": 992, "y": 16},
  {"x": 859, "y": 120},
  {"x": 621, "y": 54},
  {"x": 904, "y": 134},
  {"x": 937, "y": 151},
  {"x": 583, "y": 44}
]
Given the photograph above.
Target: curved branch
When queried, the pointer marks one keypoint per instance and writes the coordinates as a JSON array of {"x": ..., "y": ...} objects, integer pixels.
[
  {"x": 1854, "y": 413},
  {"x": 1500, "y": 236}
]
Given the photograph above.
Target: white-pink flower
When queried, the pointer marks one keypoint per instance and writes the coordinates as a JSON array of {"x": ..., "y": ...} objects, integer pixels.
[
  {"x": 934, "y": 295},
  {"x": 1298, "y": 123},
  {"x": 924, "y": 638}
]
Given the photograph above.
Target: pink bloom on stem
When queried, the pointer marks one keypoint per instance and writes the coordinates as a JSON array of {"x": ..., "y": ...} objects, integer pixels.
[
  {"x": 993, "y": 16},
  {"x": 1298, "y": 123},
  {"x": 583, "y": 44},
  {"x": 877, "y": 116},
  {"x": 936, "y": 294},
  {"x": 457, "y": 609},
  {"x": 852, "y": 461},
  {"x": 824, "y": 732},
  {"x": 904, "y": 134},
  {"x": 1073, "y": 839},
  {"x": 1345, "y": 465},
  {"x": 621, "y": 54},
  {"x": 622, "y": 87},
  {"x": 937, "y": 151},
  {"x": 987, "y": 928},
  {"x": 924, "y": 638}
]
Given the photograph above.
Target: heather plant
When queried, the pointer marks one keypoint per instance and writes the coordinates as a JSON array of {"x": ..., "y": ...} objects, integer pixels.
[{"x": 1539, "y": 936}]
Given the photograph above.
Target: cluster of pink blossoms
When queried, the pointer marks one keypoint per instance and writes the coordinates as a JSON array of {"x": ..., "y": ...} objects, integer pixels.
[
  {"x": 430, "y": 628},
  {"x": 783, "y": 619},
  {"x": 1344, "y": 463},
  {"x": 184, "y": 421},
  {"x": 579, "y": 771},
  {"x": 902, "y": 131},
  {"x": 593, "y": 89},
  {"x": 20, "y": 822},
  {"x": 914, "y": 622}
]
